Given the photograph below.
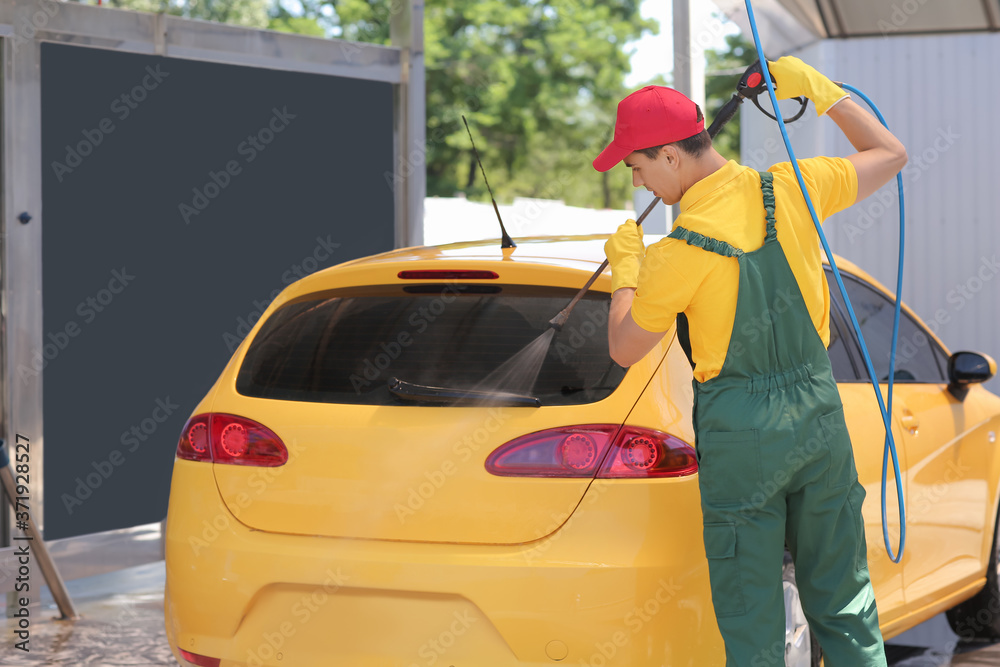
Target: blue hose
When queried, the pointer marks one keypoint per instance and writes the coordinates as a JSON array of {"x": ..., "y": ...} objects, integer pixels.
[{"x": 890, "y": 446}]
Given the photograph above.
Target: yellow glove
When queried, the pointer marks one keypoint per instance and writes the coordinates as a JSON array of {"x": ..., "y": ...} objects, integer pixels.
[
  {"x": 625, "y": 251},
  {"x": 794, "y": 78}
]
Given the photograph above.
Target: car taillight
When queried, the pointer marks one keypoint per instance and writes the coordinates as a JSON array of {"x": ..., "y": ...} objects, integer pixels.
[
  {"x": 200, "y": 660},
  {"x": 578, "y": 451},
  {"x": 569, "y": 451},
  {"x": 643, "y": 452},
  {"x": 193, "y": 444},
  {"x": 222, "y": 438}
]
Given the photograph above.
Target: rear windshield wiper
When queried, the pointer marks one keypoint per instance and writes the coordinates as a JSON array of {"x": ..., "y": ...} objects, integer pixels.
[{"x": 425, "y": 394}]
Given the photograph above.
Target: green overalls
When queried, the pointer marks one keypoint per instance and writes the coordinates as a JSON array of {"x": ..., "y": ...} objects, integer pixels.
[{"x": 776, "y": 467}]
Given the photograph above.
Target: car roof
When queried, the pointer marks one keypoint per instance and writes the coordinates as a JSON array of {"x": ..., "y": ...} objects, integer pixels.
[
  {"x": 577, "y": 252},
  {"x": 573, "y": 252},
  {"x": 558, "y": 261}
]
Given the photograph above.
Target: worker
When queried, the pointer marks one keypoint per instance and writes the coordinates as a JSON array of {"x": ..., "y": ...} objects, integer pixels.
[{"x": 743, "y": 263}]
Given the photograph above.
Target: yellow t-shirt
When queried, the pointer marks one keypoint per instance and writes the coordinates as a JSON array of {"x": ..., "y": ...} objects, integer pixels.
[{"x": 727, "y": 205}]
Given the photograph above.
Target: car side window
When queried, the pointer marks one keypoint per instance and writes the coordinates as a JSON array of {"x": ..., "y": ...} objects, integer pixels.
[
  {"x": 942, "y": 360},
  {"x": 916, "y": 351},
  {"x": 840, "y": 358}
]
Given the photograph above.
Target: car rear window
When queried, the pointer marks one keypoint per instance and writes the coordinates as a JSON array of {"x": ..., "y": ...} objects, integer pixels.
[{"x": 343, "y": 346}]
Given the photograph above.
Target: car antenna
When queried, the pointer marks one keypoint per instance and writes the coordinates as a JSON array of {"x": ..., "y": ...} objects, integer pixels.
[{"x": 507, "y": 241}]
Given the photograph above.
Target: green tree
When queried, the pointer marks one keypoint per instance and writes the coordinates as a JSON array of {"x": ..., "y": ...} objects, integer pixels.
[
  {"x": 544, "y": 110},
  {"x": 301, "y": 25},
  {"x": 249, "y": 13},
  {"x": 723, "y": 69},
  {"x": 538, "y": 81}
]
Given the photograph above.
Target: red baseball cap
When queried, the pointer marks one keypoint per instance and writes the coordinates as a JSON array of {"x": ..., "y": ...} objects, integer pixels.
[{"x": 652, "y": 116}]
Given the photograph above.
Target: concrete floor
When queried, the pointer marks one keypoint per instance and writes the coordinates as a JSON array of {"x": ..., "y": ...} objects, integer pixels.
[
  {"x": 122, "y": 625},
  {"x": 933, "y": 644}
]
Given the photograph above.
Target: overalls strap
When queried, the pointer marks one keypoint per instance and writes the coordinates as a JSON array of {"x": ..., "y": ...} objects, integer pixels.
[
  {"x": 705, "y": 242},
  {"x": 767, "y": 188}
]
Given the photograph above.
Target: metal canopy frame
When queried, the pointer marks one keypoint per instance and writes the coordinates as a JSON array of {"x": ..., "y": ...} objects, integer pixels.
[
  {"x": 851, "y": 18},
  {"x": 788, "y": 25},
  {"x": 24, "y": 26}
]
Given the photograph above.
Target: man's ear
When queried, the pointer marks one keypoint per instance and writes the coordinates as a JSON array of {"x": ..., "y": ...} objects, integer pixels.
[{"x": 671, "y": 154}]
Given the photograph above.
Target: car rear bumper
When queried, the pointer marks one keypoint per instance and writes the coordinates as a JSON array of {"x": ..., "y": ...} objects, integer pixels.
[{"x": 622, "y": 580}]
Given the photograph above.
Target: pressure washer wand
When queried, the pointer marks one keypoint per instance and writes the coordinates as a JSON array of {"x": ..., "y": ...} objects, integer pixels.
[
  {"x": 750, "y": 85},
  {"x": 559, "y": 320}
]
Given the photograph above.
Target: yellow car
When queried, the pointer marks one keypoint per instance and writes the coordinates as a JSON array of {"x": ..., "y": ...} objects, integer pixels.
[{"x": 360, "y": 488}]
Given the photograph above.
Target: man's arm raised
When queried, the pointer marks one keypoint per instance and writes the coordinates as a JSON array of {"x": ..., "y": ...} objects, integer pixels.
[{"x": 880, "y": 154}]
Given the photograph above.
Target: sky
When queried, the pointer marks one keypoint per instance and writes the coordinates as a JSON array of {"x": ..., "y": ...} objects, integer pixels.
[{"x": 654, "y": 53}]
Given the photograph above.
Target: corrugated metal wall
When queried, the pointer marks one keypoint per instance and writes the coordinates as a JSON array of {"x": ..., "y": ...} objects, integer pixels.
[{"x": 939, "y": 95}]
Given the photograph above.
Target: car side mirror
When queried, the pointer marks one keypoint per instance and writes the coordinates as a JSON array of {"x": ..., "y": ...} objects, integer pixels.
[{"x": 965, "y": 368}]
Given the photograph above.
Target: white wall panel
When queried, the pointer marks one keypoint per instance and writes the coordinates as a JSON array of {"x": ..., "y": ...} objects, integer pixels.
[{"x": 939, "y": 95}]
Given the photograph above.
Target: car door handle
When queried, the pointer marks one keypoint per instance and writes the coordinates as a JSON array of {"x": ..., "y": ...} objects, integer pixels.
[{"x": 910, "y": 422}]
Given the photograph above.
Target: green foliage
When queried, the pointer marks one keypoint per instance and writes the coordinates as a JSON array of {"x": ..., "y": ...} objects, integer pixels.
[
  {"x": 249, "y": 13},
  {"x": 538, "y": 81},
  {"x": 737, "y": 56},
  {"x": 297, "y": 24}
]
